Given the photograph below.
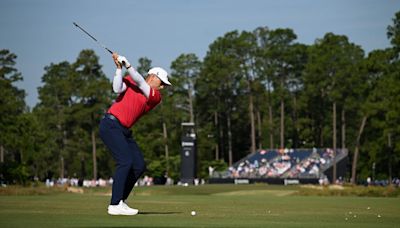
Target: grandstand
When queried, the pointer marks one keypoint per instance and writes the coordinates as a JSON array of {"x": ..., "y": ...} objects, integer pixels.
[{"x": 281, "y": 166}]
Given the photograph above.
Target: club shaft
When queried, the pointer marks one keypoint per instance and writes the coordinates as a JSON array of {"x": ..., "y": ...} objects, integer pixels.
[{"x": 83, "y": 30}]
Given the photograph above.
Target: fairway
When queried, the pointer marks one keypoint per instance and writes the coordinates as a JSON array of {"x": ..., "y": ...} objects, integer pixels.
[{"x": 216, "y": 206}]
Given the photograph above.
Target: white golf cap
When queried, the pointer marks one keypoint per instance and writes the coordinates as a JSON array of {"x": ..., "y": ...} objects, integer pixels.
[{"x": 161, "y": 74}]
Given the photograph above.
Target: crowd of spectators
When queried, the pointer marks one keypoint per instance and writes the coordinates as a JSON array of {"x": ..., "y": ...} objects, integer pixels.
[
  {"x": 75, "y": 182},
  {"x": 312, "y": 165},
  {"x": 379, "y": 182},
  {"x": 144, "y": 181},
  {"x": 283, "y": 163}
]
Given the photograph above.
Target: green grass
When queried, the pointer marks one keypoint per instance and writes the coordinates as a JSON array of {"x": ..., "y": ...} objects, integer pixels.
[{"x": 216, "y": 206}]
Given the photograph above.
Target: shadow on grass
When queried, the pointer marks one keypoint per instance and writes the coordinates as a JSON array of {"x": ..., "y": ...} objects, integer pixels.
[
  {"x": 158, "y": 213},
  {"x": 122, "y": 226}
]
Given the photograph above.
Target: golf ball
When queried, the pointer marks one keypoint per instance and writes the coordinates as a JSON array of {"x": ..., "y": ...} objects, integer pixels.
[{"x": 193, "y": 213}]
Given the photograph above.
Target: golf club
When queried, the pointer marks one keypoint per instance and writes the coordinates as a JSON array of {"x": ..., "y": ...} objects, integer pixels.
[{"x": 92, "y": 37}]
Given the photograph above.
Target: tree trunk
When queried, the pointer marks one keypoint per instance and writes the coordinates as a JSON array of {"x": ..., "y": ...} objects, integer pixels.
[
  {"x": 94, "y": 155},
  {"x": 221, "y": 141},
  {"x": 271, "y": 128},
  {"x": 21, "y": 157},
  {"x": 83, "y": 170},
  {"x": 252, "y": 124},
  {"x": 343, "y": 128},
  {"x": 259, "y": 130},
  {"x": 319, "y": 125},
  {"x": 356, "y": 151},
  {"x": 64, "y": 144},
  {"x": 334, "y": 143},
  {"x": 321, "y": 135},
  {"x": 230, "y": 140},
  {"x": 166, "y": 146},
  {"x": 390, "y": 157},
  {"x": 296, "y": 130},
  {"x": 216, "y": 143},
  {"x": 62, "y": 167},
  {"x": 282, "y": 124},
  {"x": 1, "y": 154}
]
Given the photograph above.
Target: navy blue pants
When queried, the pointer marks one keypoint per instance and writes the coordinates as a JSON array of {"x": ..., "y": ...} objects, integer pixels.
[{"x": 130, "y": 164}]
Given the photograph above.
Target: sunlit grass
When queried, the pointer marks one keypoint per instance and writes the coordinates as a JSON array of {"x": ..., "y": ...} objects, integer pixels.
[{"x": 216, "y": 206}]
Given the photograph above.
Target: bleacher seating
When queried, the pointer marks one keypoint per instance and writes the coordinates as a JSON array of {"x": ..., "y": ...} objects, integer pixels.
[{"x": 283, "y": 163}]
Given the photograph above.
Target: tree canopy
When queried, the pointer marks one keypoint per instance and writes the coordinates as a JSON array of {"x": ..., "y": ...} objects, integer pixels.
[{"x": 253, "y": 90}]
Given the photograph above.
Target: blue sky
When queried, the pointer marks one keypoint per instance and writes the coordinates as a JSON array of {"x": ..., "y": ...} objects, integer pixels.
[{"x": 41, "y": 32}]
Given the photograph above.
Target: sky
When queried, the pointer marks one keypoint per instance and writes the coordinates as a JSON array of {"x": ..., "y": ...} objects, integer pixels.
[{"x": 40, "y": 32}]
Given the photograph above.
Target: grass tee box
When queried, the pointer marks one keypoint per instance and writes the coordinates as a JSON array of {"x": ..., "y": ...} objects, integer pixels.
[{"x": 215, "y": 206}]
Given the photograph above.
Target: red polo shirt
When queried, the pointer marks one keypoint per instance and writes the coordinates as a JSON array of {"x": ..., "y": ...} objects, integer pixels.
[{"x": 132, "y": 103}]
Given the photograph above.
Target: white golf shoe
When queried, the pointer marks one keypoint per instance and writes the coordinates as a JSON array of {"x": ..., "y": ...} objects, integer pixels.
[{"x": 121, "y": 209}]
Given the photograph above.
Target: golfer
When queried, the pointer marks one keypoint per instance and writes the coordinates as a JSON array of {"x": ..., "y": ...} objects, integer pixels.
[{"x": 137, "y": 96}]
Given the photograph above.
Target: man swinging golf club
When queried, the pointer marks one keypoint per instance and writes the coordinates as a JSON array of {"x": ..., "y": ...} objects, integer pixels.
[{"x": 137, "y": 96}]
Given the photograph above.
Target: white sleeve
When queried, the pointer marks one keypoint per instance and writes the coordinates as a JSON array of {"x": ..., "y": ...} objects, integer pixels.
[
  {"x": 118, "y": 85},
  {"x": 138, "y": 78}
]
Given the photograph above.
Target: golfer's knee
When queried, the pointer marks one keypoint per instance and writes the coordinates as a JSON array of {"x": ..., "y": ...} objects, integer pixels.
[
  {"x": 141, "y": 169},
  {"x": 128, "y": 164}
]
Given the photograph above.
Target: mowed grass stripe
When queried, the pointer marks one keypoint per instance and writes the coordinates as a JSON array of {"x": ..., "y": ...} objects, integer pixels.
[{"x": 216, "y": 206}]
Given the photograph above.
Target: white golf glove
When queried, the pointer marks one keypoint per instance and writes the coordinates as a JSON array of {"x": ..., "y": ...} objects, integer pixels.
[{"x": 121, "y": 59}]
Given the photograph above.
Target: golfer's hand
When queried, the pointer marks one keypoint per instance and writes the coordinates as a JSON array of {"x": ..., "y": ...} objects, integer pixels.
[
  {"x": 124, "y": 61},
  {"x": 115, "y": 58}
]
